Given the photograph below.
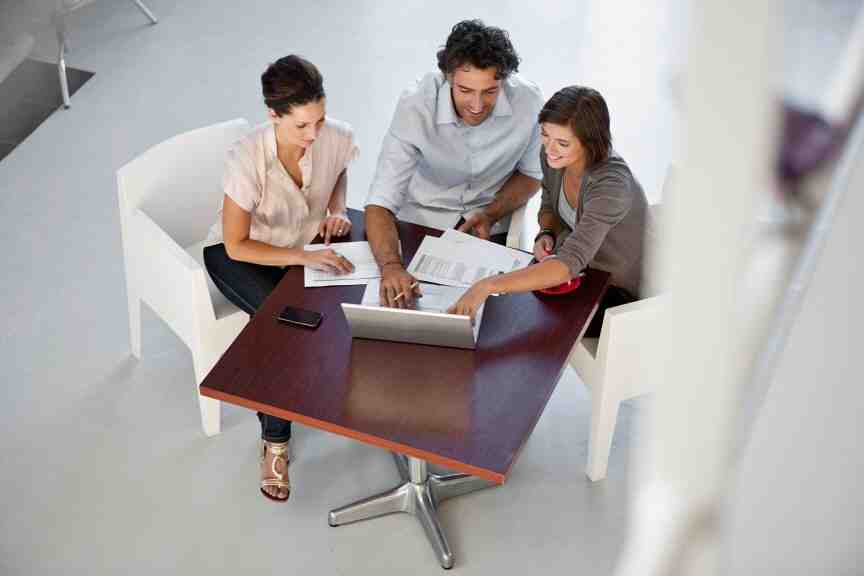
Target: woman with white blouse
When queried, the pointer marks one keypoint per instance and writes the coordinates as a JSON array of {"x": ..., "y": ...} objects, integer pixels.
[{"x": 284, "y": 183}]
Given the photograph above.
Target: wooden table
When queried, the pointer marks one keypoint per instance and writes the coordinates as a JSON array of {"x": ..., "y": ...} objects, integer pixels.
[{"x": 470, "y": 411}]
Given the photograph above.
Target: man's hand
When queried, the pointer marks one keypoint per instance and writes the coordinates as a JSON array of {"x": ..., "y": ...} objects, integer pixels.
[
  {"x": 543, "y": 247},
  {"x": 334, "y": 225},
  {"x": 477, "y": 223},
  {"x": 327, "y": 260},
  {"x": 398, "y": 287}
]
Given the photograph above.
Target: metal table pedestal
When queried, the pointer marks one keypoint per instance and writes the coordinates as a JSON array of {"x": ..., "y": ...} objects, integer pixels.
[{"x": 419, "y": 494}]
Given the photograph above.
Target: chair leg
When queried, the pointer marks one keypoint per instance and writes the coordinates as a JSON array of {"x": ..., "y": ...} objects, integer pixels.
[
  {"x": 60, "y": 24},
  {"x": 211, "y": 415},
  {"x": 604, "y": 415},
  {"x": 147, "y": 12},
  {"x": 211, "y": 409}
]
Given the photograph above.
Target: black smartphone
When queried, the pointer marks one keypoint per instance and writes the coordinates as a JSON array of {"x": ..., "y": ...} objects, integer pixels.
[{"x": 300, "y": 317}]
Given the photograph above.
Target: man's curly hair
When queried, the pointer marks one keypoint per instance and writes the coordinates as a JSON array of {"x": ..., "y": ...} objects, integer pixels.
[{"x": 472, "y": 42}]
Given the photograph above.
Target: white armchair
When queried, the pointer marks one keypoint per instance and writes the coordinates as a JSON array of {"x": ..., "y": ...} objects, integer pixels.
[
  {"x": 169, "y": 197},
  {"x": 517, "y": 228},
  {"x": 616, "y": 366}
]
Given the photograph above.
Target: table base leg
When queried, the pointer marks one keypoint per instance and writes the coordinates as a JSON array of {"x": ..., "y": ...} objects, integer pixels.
[{"x": 419, "y": 494}]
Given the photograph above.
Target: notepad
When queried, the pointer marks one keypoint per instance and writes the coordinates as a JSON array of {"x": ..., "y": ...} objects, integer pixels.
[{"x": 358, "y": 253}]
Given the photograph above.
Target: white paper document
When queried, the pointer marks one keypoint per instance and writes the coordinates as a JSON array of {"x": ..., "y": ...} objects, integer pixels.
[
  {"x": 500, "y": 257},
  {"x": 459, "y": 259},
  {"x": 358, "y": 253}
]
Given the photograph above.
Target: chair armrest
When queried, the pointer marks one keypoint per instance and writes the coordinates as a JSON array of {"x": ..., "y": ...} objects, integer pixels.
[
  {"x": 517, "y": 226},
  {"x": 639, "y": 309},
  {"x": 159, "y": 241},
  {"x": 628, "y": 344},
  {"x": 168, "y": 279}
]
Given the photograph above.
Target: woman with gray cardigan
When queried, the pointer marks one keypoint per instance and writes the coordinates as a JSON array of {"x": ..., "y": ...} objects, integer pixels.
[{"x": 594, "y": 212}]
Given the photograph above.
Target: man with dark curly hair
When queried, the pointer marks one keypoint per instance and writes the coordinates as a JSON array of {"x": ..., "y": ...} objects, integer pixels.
[{"x": 463, "y": 150}]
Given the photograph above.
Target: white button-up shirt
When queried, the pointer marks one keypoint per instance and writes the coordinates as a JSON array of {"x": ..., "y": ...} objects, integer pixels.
[{"x": 434, "y": 168}]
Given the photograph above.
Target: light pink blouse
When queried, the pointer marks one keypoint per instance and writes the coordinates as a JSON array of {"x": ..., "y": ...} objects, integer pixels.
[{"x": 283, "y": 214}]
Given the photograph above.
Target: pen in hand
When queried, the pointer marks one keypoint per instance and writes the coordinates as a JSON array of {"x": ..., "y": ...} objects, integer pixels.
[{"x": 402, "y": 294}]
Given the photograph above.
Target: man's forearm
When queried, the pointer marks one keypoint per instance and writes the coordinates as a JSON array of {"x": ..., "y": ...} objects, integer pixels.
[
  {"x": 382, "y": 235},
  {"x": 515, "y": 192}
]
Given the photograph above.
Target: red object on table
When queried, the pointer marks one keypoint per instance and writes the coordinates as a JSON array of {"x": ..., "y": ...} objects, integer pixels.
[{"x": 564, "y": 288}]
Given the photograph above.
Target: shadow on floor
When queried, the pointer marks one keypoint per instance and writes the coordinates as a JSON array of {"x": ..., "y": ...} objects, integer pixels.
[{"x": 28, "y": 96}]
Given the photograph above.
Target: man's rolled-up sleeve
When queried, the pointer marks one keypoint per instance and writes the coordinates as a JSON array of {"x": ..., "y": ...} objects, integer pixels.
[
  {"x": 529, "y": 163},
  {"x": 398, "y": 158},
  {"x": 609, "y": 203}
]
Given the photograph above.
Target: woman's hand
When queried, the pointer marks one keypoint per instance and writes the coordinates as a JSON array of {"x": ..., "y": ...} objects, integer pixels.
[
  {"x": 471, "y": 300},
  {"x": 543, "y": 247},
  {"x": 328, "y": 261},
  {"x": 334, "y": 225}
]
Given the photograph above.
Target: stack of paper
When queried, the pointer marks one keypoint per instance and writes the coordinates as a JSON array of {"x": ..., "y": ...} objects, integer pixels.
[
  {"x": 459, "y": 259},
  {"x": 358, "y": 253}
]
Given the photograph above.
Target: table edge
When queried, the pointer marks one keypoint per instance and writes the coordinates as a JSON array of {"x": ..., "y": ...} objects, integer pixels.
[{"x": 370, "y": 439}]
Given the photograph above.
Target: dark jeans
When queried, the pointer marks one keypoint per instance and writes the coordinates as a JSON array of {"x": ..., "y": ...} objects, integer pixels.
[
  {"x": 247, "y": 285},
  {"x": 614, "y": 296}
]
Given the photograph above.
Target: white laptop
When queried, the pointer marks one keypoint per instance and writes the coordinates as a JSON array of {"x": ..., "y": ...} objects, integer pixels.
[{"x": 428, "y": 324}]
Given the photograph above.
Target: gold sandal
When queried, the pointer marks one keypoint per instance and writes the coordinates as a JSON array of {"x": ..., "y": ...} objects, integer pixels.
[{"x": 279, "y": 450}]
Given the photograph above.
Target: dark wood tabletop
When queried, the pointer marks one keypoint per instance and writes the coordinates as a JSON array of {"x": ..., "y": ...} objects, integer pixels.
[{"x": 467, "y": 410}]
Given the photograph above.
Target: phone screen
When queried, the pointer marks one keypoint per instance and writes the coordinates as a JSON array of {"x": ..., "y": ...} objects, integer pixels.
[{"x": 300, "y": 317}]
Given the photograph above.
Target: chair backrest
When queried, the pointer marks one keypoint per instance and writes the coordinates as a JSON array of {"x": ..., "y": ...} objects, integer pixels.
[
  {"x": 178, "y": 183},
  {"x": 516, "y": 233}
]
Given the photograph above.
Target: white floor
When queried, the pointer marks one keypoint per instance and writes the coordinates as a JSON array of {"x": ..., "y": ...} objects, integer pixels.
[{"x": 104, "y": 467}]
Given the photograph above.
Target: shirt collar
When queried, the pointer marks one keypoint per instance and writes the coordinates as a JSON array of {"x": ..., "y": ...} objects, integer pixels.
[
  {"x": 271, "y": 152},
  {"x": 502, "y": 105},
  {"x": 446, "y": 114}
]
